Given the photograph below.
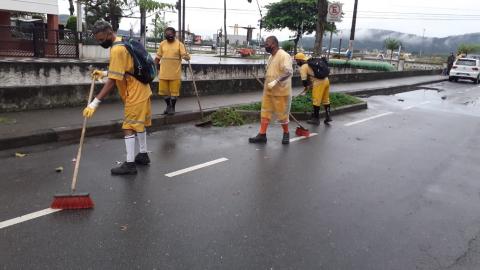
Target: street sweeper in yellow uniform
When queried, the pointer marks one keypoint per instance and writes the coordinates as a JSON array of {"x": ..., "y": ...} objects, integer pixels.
[
  {"x": 135, "y": 96},
  {"x": 320, "y": 90},
  {"x": 277, "y": 91}
]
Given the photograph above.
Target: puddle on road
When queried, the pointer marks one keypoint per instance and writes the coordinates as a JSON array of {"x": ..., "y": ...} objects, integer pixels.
[
  {"x": 421, "y": 95},
  {"x": 454, "y": 101}
]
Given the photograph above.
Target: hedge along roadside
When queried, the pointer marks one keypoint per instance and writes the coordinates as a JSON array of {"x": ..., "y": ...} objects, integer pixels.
[{"x": 301, "y": 106}]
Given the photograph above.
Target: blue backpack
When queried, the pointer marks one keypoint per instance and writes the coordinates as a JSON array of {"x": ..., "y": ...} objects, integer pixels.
[{"x": 144, "y": 68}]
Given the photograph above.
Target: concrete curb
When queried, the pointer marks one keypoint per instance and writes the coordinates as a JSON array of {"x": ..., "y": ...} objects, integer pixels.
[
  {"x": 72, "y": 133},
  {"x": 389, "y": 90}
]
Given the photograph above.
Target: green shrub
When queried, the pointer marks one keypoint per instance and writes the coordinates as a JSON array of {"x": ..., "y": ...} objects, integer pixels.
[
  {"x": 304, "y": 103},
  {"x": 71, "y": 23},
  {"x": 227, "y": 117}
]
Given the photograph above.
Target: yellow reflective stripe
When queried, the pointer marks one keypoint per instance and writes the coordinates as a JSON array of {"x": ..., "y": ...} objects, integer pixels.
[
  {"x": 116, "y": 73},
  {"x": 133, "y": 121},
  {"x": 170, "y": 58}
]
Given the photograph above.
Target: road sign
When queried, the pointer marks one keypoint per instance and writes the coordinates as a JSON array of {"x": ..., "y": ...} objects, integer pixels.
[{"x": 334, "y": 12}]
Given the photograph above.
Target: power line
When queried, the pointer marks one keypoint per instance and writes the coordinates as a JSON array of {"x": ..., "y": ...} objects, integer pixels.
[
  {"x": 417, "y": 13},
  {"x": 421, "y": 19}
]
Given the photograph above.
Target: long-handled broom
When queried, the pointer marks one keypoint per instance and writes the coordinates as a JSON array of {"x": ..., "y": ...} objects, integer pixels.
[
  {"x": 202, "y": 122},
  {"x": 74, "y": 200},
  {"x": 300, "y": 130}
]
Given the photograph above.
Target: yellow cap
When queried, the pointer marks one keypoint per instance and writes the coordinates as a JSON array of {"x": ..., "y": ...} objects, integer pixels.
[{"x": 300, "y": 56}]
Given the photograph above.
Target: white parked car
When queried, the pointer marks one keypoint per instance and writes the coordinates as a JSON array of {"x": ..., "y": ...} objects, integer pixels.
[{"x": 465, "y": 68}]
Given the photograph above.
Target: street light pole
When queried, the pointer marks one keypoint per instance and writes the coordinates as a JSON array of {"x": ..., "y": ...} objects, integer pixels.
[
  {"x": 423, "y": 42},
  {"x": 225, "y": 24},
  {"x": 179, "y": 7},
  {"x": 352, "y": 31},
  {"x": 183, "y": 22}
]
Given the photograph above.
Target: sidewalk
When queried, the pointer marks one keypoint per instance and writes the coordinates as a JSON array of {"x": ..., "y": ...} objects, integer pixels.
[{"x": 45, "y": 123}]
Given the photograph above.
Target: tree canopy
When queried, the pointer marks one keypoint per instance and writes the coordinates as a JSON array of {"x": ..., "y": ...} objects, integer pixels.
[
  {"x": 468, "y": 48},
  {"x": 114, "y": 10},
  {"x": 392, "y": 44},
  {"x": 298, "y": 16}
]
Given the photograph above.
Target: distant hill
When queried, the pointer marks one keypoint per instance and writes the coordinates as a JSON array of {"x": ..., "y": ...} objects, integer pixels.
[{"x": 370, "y": 39}]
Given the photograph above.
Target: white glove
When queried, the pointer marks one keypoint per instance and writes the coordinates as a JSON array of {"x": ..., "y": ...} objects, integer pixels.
[
  {"x": 94, "y": 104},
  {"x": 90, "y": 109},
  {"x": 272, "y": 84}
]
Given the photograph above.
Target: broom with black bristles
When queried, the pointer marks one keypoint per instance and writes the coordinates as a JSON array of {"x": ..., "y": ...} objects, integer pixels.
[{"x": 74, "y": 200}]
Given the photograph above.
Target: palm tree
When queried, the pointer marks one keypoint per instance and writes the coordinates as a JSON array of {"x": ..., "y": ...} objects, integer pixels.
[{"x": 392, "y": 44}]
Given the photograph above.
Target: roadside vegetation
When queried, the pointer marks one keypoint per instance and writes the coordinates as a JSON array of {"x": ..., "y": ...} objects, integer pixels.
[
  {"x": 304, "y": 103},
  {"x": 227, "y": 117},
  {"x": 234, "y": 117}
]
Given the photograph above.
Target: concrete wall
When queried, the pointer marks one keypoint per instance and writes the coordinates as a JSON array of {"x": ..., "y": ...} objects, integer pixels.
[{"x": 50, "y": 73}]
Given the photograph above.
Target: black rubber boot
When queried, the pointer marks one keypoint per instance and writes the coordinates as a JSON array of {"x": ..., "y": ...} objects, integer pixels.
[
  {"x": 260, "y": 138},
  {"x": 142, "y": 159},
  {"x": 172, "y": 107},
  {"x": 286, "y": 138},
  {"x": 328, "y": 119},
  {"x": 315, "y": 120},
  {"x": 125, "y": 168},
  {"x": 169, "y": 104}
]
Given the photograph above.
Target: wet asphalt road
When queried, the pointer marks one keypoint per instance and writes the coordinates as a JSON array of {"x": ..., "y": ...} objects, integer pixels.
[{"x": 393, "y": 187}]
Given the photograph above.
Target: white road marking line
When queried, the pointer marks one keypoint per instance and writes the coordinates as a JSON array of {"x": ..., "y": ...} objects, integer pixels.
[
  {"x": 28, "y": 217},
  {"x": 302, "y": 137},
  {"x": 196, "y": 167},
  {"x": 367, "y": 119}
]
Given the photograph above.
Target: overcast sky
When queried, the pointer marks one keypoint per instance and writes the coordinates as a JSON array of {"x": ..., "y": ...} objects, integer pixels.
[{"x": 432, "y": 18}]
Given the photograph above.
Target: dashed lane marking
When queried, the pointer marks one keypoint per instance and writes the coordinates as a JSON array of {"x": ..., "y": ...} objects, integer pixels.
[
  {"x": 27, "y": 217},
  {"x": 196, "y": 167},
  {"x": 302, "y": 137},
  {"x": 367, "y": 119}
]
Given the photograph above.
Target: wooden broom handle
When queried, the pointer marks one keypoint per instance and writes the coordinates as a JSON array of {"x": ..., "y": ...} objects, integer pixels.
[
  {"x": 195, "y": 87},
  {"x": 82, "y": 137}
]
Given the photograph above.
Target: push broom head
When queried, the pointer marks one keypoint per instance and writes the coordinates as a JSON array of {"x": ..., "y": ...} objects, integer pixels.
[
  {"x": 72, "y": 201},
  {"x": 300, "y": 131}
]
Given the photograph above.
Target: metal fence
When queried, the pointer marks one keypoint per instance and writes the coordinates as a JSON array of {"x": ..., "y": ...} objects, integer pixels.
[{"x": 38, "y": 42}]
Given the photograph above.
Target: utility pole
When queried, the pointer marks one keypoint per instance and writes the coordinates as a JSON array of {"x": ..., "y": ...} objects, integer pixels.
[
  {"x": 143, "y": 23},
  {"x": 155, "y": 31},
  {"x": 79, "y": 29},
  {"x": 183, "y": 22},
  {"x": 330, "y": 45},
  {"x": 423, "y": 42},
  {"x": 352, "y": 31},
  {"x": 260, "y": 24},
  {"x": 340, "y": 42},
  {"x": 179, "y": 8},
  {"x": 225, "y": 24}
]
